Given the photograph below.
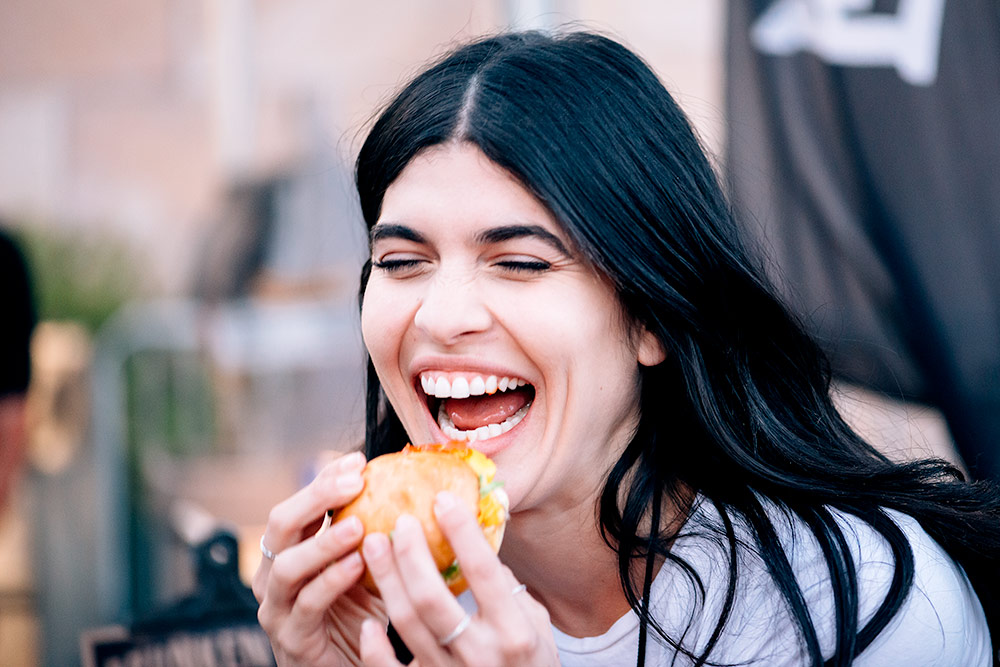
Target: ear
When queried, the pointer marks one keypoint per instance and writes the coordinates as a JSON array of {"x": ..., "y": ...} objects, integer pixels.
[{"x": 651, "y": 352}]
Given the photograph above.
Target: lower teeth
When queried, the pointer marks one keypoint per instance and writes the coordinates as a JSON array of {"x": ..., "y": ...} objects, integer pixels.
[{"x": 483, "y": 432}]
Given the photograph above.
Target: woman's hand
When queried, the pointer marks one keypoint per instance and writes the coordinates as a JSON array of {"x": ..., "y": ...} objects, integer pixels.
[
  {"x": 510, "y": 627},
  {"x": 311, "y": 605}
]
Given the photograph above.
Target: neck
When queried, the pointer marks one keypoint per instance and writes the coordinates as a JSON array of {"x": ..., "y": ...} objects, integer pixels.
[
  {"x": 571, "y": 570},
  {"x": 561, "y": 556}
]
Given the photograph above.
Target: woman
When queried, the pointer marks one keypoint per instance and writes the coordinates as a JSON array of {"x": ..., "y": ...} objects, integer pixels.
[{"x": 682, "y": 489}]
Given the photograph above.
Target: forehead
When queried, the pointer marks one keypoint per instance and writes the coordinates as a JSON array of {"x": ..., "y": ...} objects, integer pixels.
[{"x": 456, "y": 184}]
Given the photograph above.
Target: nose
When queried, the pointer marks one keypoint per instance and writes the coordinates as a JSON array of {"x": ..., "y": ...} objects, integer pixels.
[{"x": 452, "y": 309}]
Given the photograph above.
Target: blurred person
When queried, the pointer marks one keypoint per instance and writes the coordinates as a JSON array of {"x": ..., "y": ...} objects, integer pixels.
[
  {"x": 17, "y": 312},
  {"x": 863, "y": 139},
  {"x": 682, "y": 489}
]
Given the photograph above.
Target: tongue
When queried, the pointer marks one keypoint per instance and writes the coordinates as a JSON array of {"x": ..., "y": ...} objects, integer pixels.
[{"x": 471, "y": 413}]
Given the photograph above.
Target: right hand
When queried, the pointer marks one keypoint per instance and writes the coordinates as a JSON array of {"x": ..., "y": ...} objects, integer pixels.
[{"x": 311, "y": 603}]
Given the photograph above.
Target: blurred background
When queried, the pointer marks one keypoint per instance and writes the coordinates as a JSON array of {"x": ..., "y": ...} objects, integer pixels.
[{"x": 177, "y": 174}]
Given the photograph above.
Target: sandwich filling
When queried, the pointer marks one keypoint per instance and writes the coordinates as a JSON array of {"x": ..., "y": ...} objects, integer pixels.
[{"x": 476, "y": 408}]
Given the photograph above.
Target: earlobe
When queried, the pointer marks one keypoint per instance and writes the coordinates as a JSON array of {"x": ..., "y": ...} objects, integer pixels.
[{"x": 651, "y": 351}]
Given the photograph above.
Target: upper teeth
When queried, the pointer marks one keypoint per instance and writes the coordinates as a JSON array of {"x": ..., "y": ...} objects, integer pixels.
[{"x": 463, "y": 387}]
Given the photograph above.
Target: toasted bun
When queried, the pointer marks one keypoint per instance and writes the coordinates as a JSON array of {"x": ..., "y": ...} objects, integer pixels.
[{"x": 406, "y": 482}]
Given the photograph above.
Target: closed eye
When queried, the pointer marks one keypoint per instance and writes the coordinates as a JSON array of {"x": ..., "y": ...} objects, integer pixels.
[
  {"x": 391, "y": 265},
  {"x": 524, "y": 266}
]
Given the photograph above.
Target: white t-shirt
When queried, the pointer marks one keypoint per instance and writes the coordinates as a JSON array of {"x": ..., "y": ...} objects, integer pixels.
[{"x": 940, "y": 623}]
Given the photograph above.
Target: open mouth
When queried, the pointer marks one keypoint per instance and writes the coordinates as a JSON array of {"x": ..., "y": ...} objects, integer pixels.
[{"x": 474, "y": 408}]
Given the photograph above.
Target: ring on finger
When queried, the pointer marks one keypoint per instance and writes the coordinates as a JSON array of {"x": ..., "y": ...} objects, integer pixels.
[
  {"x": 459, "y": 629},
  {"x": 520, "y": 588},
  {"x": 268, "y": 554}
]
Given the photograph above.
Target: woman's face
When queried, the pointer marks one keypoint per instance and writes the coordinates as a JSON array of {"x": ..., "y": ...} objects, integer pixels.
[{"x": 485, "y": 325}]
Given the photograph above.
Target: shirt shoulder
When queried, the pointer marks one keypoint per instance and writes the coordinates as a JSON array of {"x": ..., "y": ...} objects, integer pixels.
[{"x": 941, "y": 621}]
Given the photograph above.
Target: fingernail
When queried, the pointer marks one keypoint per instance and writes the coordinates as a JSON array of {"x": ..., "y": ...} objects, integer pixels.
[
  {"x": 375, "y": 545},
  {"x": 352, "y": 461},
  {"x": 353, "y": 561},
  {"x": 347, "y": 528},
  {"x": 444, "y": 501},
  {"x": 370, "y": 628},
  {"x": 408, "y": 522}
]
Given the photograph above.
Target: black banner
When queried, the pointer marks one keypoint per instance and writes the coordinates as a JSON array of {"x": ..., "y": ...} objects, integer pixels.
[
  {"x": 864, "y": 151},
  {"x": 230, "y": 646}
]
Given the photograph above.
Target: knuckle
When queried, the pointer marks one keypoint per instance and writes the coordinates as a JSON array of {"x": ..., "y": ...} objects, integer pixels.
[
  {"x": 282, "y": 574},
  {"x": 280, "y": 518},
  {"x": 309, "y": 605},
  {"x": 258, "y": 589},
  {"x": 403, "y": 616},
  {"x": 480, "y": 568},
  {"x": 335, "y": 577},
  {"x": 285, "y": 638},
  {"x": 521, "y": 646},
  {"x": 424, "y": 598},
  {"x": 265, "y": 617}
]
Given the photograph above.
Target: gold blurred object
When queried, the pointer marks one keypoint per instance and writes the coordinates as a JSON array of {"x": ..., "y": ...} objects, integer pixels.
[{"x": 58, "y": 399}]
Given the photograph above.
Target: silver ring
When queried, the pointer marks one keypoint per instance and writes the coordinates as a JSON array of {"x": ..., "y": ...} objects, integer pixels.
[
  {"x": 520, "y": 588},
  {"x": 459, "y": 629},
  {"x": 268, "y": 554}
]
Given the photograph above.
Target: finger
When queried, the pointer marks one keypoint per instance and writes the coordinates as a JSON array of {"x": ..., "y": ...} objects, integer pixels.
[
  {"x": 415, "y": 633},
  {"x": 295, "y": 566},
  {"x": 317, "y": 596},
  {"x": 335, "y": 485},
  {"x": 481, "y": 567},
  {"x": 259, "y": 582},
  {"x": 376, "y": 650},
  {"x": 306, "y": 623},
  {"x": 424, "y": 585},
  {"x": 492, "y": 583}
]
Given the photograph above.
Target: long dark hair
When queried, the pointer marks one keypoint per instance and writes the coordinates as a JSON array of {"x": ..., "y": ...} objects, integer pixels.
[{"x": 740, "y": 409}]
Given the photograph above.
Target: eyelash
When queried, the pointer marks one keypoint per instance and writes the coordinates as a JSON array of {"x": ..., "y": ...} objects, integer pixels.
[
  {"x": 390, "y": 265},
  {"x": 525, "y": 267}
]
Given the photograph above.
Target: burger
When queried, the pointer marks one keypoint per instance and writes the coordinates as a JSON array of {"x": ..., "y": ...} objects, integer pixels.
[{"x": 407, "y": 481}]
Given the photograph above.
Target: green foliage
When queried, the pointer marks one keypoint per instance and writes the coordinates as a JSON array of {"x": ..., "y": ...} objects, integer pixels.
[{"x": 77, "y": 276}]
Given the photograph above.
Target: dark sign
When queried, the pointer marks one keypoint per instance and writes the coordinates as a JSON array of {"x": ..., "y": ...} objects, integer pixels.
[
  {"x": 216, "y": 626},
  {"x": 232, "y": 646}
]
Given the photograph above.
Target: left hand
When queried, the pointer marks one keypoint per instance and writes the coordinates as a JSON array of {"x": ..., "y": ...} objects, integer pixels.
[{"x": 509, "y": 628}]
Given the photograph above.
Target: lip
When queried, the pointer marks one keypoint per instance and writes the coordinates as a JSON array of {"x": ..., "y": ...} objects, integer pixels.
[
  {"x": 490, "y": 447},
  {"x": 470, "y": 366}
]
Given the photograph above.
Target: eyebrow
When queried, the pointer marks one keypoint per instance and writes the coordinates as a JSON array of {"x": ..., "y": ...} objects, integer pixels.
[
  {"x": 508, "y": 232},
  {"x": 392, "y": 230}
]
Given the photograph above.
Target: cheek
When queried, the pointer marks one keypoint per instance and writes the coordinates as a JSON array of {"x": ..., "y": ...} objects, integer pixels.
[
  {"x": 574, "y": 327},
  {"x": 369, "y": 325},
  {"x": 382, "y": 324}
]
